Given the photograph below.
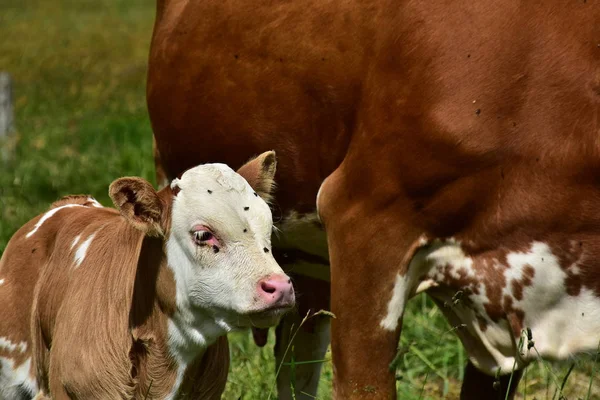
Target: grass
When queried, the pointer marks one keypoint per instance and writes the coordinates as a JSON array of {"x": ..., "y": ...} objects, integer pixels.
[{"x": 79, "y": 74}]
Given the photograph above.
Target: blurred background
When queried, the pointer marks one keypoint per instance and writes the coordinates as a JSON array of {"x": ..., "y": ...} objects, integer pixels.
[{"x": 78, "y": 70}]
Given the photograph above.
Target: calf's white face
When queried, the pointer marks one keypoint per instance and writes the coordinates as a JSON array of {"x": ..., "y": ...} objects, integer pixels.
[
  {"x": 217, "y": 232},
  {"x": 219, "y": 249}
]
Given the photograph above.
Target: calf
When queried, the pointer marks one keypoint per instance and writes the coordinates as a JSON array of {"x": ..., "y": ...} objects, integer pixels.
[{"x": 136, "y": 303}]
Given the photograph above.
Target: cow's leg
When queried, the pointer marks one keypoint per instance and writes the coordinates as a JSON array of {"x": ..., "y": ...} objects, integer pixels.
[
  {"x": 362, "y": 349},
  {"x": 310, "y": 341},
  {"x": 477, "y": 385},
  {"x": 370, "y": 249}
]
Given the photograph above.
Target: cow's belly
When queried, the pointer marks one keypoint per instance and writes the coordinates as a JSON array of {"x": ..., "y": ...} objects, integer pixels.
[
  {"x": 571, "y": 327},
  {"x": 488, "y": 350},
  {"x": 506, "y": 299}
]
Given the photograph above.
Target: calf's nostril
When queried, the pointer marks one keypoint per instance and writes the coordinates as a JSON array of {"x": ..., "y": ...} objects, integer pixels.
[{"x": 267, "y": 287}]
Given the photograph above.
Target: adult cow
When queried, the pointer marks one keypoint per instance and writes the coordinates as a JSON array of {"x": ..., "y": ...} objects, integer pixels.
[
  {"x": 99, "y": 304},
  {"x": 446, "y": 146}
]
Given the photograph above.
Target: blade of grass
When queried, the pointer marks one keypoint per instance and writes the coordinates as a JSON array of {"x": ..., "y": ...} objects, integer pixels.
[
  {"x": 149, "y": 387},
  {"x": 564, "y": 382}
]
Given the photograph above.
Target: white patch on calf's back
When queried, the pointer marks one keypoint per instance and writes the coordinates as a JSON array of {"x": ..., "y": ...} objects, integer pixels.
[
  {"x": 95, "y": 202},
  {"x": 1, "y": 281},
  {"x": 10, "y": 346},
  {"x": 75, "y": 241},
  {"x": 49, "y": 214},
  {"x": 82, "y": 250}
]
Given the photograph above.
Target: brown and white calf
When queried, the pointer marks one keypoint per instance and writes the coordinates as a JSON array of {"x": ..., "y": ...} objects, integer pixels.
[{"x": 135, "y": 303}]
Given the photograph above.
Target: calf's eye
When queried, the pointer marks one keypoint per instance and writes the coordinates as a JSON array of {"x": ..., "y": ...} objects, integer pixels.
[{"x": 202, "y": 236}]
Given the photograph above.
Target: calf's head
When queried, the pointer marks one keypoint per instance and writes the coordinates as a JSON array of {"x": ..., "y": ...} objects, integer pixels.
[{"x": 217, "y": 237}]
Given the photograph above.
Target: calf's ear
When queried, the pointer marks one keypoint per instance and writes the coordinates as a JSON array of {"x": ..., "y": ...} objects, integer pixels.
[
  {"x": 138, "y": 202},
  {"x": 260, "y": 174}
]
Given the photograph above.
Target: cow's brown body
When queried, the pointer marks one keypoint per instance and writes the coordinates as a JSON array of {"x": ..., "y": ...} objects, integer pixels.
[{"x": 415, "y": 122}]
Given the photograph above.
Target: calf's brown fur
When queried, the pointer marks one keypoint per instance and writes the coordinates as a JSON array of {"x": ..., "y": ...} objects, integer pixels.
[{"x": 98, "y": 328}]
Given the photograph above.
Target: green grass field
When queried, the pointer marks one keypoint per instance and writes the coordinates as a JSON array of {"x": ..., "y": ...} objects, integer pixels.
[{"x": 79, "y": 71}]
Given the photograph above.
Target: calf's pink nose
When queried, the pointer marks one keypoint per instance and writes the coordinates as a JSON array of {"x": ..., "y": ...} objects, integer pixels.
[{"x": 276, "y": 290}]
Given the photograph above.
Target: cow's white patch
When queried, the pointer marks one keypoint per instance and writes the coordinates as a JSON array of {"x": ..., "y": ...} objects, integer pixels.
[
  {"x": 82, "y": 250},
  {"x": 15, "y": 378},
  {"x": 571, "y": 326},
  {"x": 489, "y": 349},
  {"x": 441, "y": 254},
  {"x": 424, "y": 272},
  {"x": 547, "y": 284},
  {"x": 94, "y": 202},
  {"x": 48, "y": 215},
  {"x": 1, "y": 281},
  {"x": 425, "y": 286},
  {"x": 395, "y": 307},
  {"x": 562, "y": 325},
  {"x": 75, "y": 241},
  {"x": 6, "y": 344},
  {"x": 575, "y": 270}
]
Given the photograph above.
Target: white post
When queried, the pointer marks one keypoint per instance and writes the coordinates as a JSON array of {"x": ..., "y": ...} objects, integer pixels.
[{"x": 6, "y": 114}]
